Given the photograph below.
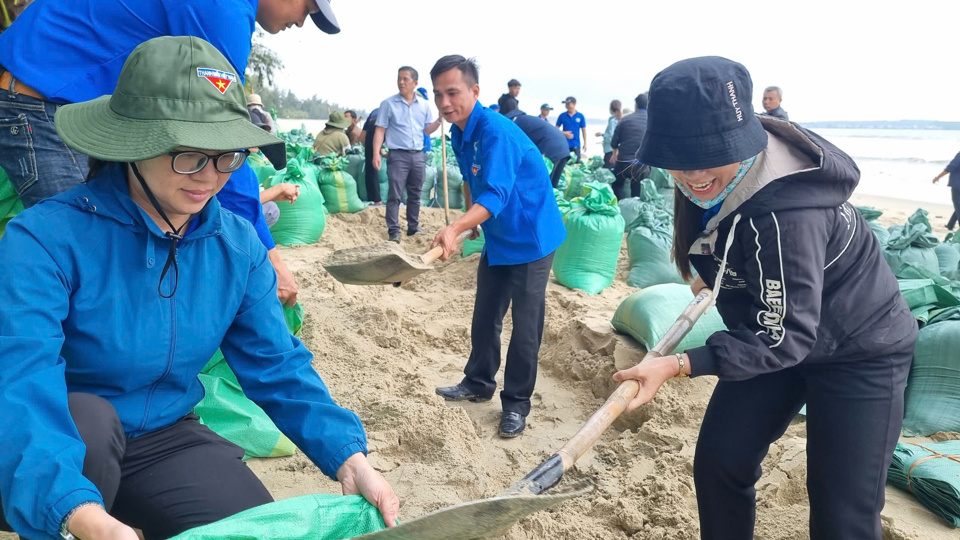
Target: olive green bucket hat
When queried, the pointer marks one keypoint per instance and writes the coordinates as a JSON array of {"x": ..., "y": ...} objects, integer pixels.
[{"x": 172, "y": 92}]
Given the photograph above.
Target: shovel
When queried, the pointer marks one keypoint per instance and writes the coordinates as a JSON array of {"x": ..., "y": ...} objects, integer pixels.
[
  {"x": 490, "y": 518},
  {"x": 381, "y": 264}
]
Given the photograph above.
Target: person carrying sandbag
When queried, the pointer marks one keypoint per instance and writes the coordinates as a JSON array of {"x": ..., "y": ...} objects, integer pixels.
[
  {"x": 813, "y": 312},
  {"x": 135, "y": 279}
]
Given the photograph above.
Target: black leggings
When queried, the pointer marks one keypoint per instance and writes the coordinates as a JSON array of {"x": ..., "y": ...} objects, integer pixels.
[
  {"x": 165, "y": 482},
  {"x": 854, "y": 414},
  {"x": 628, "y": 175}
]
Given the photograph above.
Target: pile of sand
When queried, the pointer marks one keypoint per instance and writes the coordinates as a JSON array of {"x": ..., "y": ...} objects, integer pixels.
[{"x": 382, "y": 351}]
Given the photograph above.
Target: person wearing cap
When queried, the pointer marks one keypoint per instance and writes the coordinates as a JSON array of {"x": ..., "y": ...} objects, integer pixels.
[
  {"x": 354, "y": 133},
  {"x": 333, "y": 139},
  {"x": 91, "y": 40},
  {"x": 508, "y": 102},
  {"x": 573, "y": 125},
  {"x": 136, "y": 278},
  {"x": 545, "y": 112},
  {"x": 813, "y": 313},
  {"x": 259, "y": 116},
  {"x": 551, "y": 143},
  {"x": 625, "y": 142},
  {"x": 508, "y": 191},
  {"x": 403, "y": 120}
]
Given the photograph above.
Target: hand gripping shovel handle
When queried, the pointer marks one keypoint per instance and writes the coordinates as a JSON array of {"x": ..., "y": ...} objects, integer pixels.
[
  {"x": 548, "y": 473},
  {"x": 436, "y": 252}
]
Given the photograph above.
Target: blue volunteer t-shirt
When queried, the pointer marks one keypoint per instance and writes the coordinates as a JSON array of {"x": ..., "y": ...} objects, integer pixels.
[
  {"x": 506, "y": 175},
  {"x": 73, "y": 51},
  {"x": 572, "y": 123}
]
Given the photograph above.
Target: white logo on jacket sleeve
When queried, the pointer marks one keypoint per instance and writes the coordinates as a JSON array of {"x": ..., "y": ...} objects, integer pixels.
[
  {"x": 773, "y": 294},
  {"x": 772, "y": 318}
]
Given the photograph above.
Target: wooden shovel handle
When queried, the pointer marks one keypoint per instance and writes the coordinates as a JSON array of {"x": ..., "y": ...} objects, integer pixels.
[
  {"x": 436, "y": 252},
  {"x": 617, "y": 402}
]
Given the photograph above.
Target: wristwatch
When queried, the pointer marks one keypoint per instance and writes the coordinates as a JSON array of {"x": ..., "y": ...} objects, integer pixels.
[{"x": 64, "y": 533}]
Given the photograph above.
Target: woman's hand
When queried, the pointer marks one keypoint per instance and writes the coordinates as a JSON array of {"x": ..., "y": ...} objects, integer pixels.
[
  {"x": 697, "y": 285},
  {"x": 358, "y": 477},
  {"x": 94, "y": 523},
  {"x": 651, "y": 374}
]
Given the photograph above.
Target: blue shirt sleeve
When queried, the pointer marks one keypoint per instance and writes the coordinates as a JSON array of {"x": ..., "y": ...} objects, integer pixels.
[
  {"x": 228, "y": 27},
  {"x": 954, "y": 164},
  {"x": 499, "y": 161},
  {"x": 274, "y": 369},
  {"x": 241, "y": 195},
  {"x": 41, "y": 460}
]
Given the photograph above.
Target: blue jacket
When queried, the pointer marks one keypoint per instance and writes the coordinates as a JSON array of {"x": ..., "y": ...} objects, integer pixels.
[
  {"x": 506, "y": 175},
  {"x": 92, "y": 39},
  {"x": 81, "y": 313}
]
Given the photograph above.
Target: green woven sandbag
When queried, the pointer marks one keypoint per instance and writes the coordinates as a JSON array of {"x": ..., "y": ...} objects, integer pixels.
[
  {"x": 587, "y": 260},
  {"x": 229, "y": 413},
  {"x": 911, "y": 243},
  {"x": 933, "y": 388},
  {"x": 261, "y": 167},
  {"x": 661, "y": 178},
  {"x": 303, "y": 221},
  {"x": 647, "y": 315},
  {"x": 629, "y": 209},
  {"x": 310, "y": 517},
  {"x": 948, "y": 258},
  {"x": 454, "y": 185},
  {"x": 602, "y": 175},
  {"x": 430, "y": 176},
  {"x": 338, "y": 187},
  {"x": 384, "y": 180},
  {"x": 649, "y": 246},
  {"x": 562, "y": 203},
  {"x": 10, "y": 203},
  {"x": 574, "y": 176},
  {"x": 549, "y": 164},
  {"x": 473, "y": 246},
  {"x": 594, "y": 163},
  {"x": 355, "y": 168},
  {"x": 869, "y": 213},
  {"x": 881, "y": 232},
  {"x": 931, "y": 471}
]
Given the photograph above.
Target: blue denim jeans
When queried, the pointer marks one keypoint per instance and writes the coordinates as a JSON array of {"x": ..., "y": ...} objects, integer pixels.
[{"x": 37, "y": 161}]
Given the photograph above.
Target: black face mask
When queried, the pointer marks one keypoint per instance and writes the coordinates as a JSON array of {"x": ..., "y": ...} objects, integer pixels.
[{"x": 173, "y": 235}]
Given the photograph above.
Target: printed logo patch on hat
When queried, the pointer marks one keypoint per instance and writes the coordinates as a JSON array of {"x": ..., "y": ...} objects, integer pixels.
[{"x": 221, "y": 80}]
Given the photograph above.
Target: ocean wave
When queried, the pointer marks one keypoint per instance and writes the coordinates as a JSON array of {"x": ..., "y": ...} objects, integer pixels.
[{"x": 901, "y": 160}]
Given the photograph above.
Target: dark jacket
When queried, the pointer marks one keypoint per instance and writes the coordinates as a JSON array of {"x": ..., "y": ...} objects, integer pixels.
[
  {"x": 548, "y": 139},
  {"x": 629, "y": 134},
  {"x": 954, "y": 169},
  {"x": 778, "y": 113},
  {"x": 804, "y": 279},
  {"x": 508, "y": 103}
]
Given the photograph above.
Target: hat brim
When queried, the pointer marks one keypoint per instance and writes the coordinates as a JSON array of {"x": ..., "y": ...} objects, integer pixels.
[
  {"x": 325, "y": 19},
  {"x": 276, "y": 154},
  {"x": 94, "y": 129},
  {"x": 339, "y": 125},
  {"x": 704, "y": 151}
]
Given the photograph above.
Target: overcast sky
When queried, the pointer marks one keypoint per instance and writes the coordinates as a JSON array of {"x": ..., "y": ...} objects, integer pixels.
[{"x": 834, "y": 60}]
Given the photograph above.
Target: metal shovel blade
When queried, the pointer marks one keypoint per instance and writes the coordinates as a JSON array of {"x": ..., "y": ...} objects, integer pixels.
[
  {"x": 376, "y": 264},
  {"x": 485, "y": 519}
]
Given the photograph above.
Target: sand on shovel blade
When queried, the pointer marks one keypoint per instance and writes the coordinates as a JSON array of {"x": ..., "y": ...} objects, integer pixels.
[{"x": 374, "y": 265}]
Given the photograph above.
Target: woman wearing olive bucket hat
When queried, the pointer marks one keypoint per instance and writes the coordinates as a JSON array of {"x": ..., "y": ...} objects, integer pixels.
[
  {"x": 814, "y": 314},
  {"x": 117, "y": 293}
]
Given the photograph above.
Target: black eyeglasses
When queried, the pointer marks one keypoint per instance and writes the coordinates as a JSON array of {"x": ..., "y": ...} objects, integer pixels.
[{"x": 192, "y": 161}]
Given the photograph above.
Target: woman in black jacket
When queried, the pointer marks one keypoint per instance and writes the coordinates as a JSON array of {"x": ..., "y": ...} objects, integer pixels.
[{"x": 814, "y": 314}]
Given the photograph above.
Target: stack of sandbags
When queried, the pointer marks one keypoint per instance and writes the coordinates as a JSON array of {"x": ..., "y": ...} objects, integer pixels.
[
  {"x": 931, "y": 471},
  {"x": 932, "y": 400},
  {"x": 587, "y": 260},
  {"x": 650, "y": 239},
  {"x": 338, "y": 187},
  {"x": 912, "y": 243},
  {"x": 303, "y": 221},
  {"x": 356, "y": 167},
  {"x": 948, "y": 257},
  {"x": 454, "y": 185},
  {"x": 871, "y": 214}
]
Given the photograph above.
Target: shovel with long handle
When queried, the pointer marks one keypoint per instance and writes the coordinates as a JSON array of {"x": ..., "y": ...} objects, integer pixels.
[{"x": 490, "y": 518}]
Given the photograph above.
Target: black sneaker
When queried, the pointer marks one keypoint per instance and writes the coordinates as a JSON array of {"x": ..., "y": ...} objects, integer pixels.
[
  {"x": 395, "y": 237},
  {"x": 414, "y": 232}
]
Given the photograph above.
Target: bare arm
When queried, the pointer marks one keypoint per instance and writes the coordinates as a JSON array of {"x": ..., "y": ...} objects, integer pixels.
[{"x": 378, "y": 136}]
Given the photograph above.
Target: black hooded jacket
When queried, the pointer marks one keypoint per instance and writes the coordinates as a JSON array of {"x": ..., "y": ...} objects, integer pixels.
[{"x": 804, "y": 279}]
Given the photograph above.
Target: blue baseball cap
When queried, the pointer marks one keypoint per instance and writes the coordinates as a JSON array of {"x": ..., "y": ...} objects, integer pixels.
[{"x": 423, "y": 92}]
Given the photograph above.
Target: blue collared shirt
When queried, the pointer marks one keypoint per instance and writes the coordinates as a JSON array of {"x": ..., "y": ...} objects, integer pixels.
[
  {"x": 573, "y": 123},
  {"x": 404, "y": 122},
  {"x": 506, "y": 175}
]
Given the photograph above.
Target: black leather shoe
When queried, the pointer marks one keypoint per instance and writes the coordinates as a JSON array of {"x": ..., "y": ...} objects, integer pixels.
[
  {"x": 413, "y": 232},
  {"x": 395, "y": 237},
  {"x": 461, "y": 393},
  {"x": 512, "y": 424}
]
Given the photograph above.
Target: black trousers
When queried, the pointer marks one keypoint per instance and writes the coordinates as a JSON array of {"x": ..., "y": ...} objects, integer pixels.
[
  {"x": 955, "y": 192},
  {"x": 558, "y": 171},
  {"x": 628, "y": 175},
  {"x": 164, "y": 482},
  {"x": 406, "y": 170},
  {"x": 606, "y": 160},
  {"x": 854, "y": 415},
  {"x": 576, "y": 150},
  {"x": 371, "y": 176},
  {"x": 525, "y": 285}
]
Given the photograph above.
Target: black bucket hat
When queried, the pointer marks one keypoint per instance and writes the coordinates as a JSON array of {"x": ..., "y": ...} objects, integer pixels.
[{"x": 700, "y": 116}]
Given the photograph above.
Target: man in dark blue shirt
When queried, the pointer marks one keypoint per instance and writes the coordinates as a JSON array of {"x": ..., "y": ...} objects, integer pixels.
[
  {"x": 573, "y": 124},
  {"x": 64, "y": 52},
  {"x": 547, "y": 139},
  {"x": 508, "y": 191},
  {"x": 953, "y": 169}
]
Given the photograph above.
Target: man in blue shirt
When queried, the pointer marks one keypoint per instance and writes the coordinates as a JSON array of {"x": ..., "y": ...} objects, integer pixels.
[
  {"x": 953, "y": 169},
  {"x": 507, "y": 190},
  {"x": 65, "y": 52},
  {"x": 551, "y": 143},
  {"x": 573, "y": 124},
  {"x": 403, "y": 122}
]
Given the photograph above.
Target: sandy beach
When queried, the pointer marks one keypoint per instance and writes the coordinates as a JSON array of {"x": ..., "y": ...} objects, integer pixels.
[{"x": 383, "y": 350}]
